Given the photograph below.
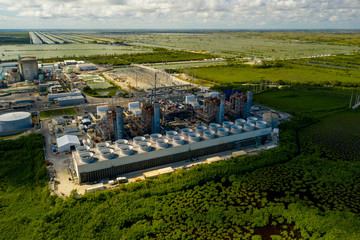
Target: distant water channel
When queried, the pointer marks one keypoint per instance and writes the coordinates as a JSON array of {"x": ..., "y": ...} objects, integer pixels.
[{"x": 10, "y": 52}]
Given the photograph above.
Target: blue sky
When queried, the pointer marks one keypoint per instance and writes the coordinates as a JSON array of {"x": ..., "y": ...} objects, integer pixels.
[{"x": 183, "y": 14}]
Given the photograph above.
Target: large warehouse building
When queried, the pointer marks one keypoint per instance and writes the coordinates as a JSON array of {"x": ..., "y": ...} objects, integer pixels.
[
  {"x": 107, "y": 161},
  {"x": 14, "y": 123}
]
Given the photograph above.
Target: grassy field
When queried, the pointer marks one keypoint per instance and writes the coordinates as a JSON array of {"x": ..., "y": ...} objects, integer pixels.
[
  {"x": 7, "y": 38},
  {"x": 289, "y": 72},
  {"x": 240, "y": 44},
  {"x": 335, "y": 129},
  {"x": 49, "y": 113},
  {"x": 305, "y": 101}
]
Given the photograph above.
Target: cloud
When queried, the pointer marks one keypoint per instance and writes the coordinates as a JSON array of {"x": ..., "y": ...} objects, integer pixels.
[{"x": 188, "y": 13}]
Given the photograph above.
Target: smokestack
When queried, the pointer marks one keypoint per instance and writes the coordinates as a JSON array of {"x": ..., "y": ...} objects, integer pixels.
[
  {"x": 221, "y": 110},
  {"x": 156, "y": 122}
]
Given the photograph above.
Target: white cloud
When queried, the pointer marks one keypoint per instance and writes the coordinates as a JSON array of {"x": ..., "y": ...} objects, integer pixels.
[{"x": 186, "y": 13}]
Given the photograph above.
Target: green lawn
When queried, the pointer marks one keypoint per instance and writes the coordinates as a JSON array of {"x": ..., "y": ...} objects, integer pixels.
[{"x": 49, "y": 113}]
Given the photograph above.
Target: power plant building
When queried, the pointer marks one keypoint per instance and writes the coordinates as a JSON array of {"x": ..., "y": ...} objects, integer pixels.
[
  {"x": 86, "y": 67},
  {"x": 55, "y": 96},
  {"x": 28, "y": 68},
  {"x": 111, "y": 160},
  {"x": 14, "y": 123},
  {"x": 71, "y": 100}
]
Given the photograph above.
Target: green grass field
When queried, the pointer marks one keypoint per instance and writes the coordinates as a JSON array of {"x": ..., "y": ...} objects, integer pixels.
[
  {"x": 49, "y": 113},
  {"x": 7, "y": 38},
  {"x": 291, "y": 72},
  {"x": 305, "y": 101}
]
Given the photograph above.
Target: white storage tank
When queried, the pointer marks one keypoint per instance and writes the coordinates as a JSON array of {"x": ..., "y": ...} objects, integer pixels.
[
  {"x": 227, "y": 124},
  {"x": 236, "y": 129},
  {"x": 138, "y": 139},
  {"x": 214, "y": 126},
  {"x": 107, "y": 153},
  {"x": 186, "y": 131},
  {"x": 145, "y": 146},
  {"x": 121, "y": 142},
  {"x": 179, "y": 140},
  {"x": 83, "y": 149},
  {"x": 240, "y": 122},
  {"x": 126, "y": 150},
  {"x": 223, "y": 131},
  {"x": 194, "y": 137},
  {"x": 171, "y": 134},
  {"x": 86, "y": 157},
  {"x": 162, "y": 143},
  {"x": 251, "y": 119},
  {"x": 200, "y": 129},
  {"x": 209, "y": 134},
  {"x": 155, "y": 136},
  {"x": 14, "y": 122},
  {"x": 249, "y": 126},
  {"x": 261, "y": 124},
  {"x": 102, "y": 145}
]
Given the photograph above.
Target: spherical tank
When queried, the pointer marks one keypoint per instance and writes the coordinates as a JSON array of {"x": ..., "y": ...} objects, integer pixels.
[{"x": 14, "y": 122}]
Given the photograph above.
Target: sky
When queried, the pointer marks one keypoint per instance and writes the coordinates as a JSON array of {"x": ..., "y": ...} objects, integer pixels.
[{"x": 180, "y": 14}]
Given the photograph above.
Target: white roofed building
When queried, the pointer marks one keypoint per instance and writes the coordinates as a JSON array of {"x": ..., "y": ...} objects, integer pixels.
[{"x": 67, "y": 143}]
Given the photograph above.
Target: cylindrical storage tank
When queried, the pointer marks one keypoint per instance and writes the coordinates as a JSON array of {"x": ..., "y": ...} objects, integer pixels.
[
  {"x": 121, "y": 142},
  {"x": 102, "y": 145},
  {"x": 214, "y": 126},
  {"x": 86, "y": 157},
  {"x": 223, "y": 131},
  {"x": 251, "y": 119},
  {"x": 179, "y": 140},
  {"x": 145, "y": 146},
  {"x": 171, "y": 134},
  {"x": 200, "y": 129},
  {"x": 107, "y": 153},
  {"x": 236, "y": 129},
  {"x": 83, "y": 149},
  {"x": 14, "y": 122},
  {"x": 155, "y": 136},
  {"x": 209, "y": 134},
  {"x": 227, "y": 124},
  {"x": 138, "y": 139},
  {"x": 162, "y": 143},
  {"x": 186, "y": 131},
  {"x": 194, "y": 137},
  {"x": 261, "y": 124},
  {"x": 126, "y": 150},
  {"x": 240, "y": 122},
  {"x": 249, "y": 126}
]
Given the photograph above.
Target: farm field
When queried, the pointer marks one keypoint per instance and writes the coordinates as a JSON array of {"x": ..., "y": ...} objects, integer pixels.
[
  {"x": 187, "y": 64},
  {"x": 14, "y": 38},
  {"x": 10, "y": 52},
  {"x": 238, "y": 45},
  {"x": 288, "y": 72}
]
